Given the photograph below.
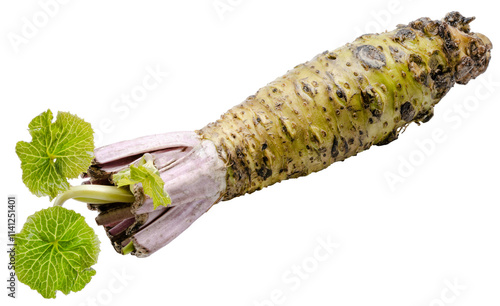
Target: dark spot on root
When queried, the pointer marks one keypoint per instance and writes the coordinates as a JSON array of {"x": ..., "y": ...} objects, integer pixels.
[
  {"x": 264, "y": 146},
  {"x": 404, "y": 34},
  {"x": 346, "y": 146},
  {"x": 420, "y": 24},
  {"x": 450, "y": 46},
  {"x": 377, "y": 113},
  {"x": 308, "y": 90},
  {"x": 441, "y": 75},
  {"x": 370, "y": 56},
  {"x": 393, "y": 135},
  {"x": 396, "y": 54},
  {"x": 418, "y": 68},
  {"x": 407, "y": 112},
  {"x": 331, "y": 56},
  {"x": 264, "y": 172},
  {"x": 285, "y": 130},
  {"x": 239, "y": 153},
  {"x": 424, "y": 116},
  {"x": 340, "y": 93},
  {"x": 335, "y": 149},
  {"x": 458, "y": 21},
  {"x": 463, "y": 71},
  {"x": 315, "y": 138},
  {"x": 371, "y": 101}
]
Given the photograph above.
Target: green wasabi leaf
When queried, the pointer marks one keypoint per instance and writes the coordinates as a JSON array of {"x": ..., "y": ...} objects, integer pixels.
[
  {"x": 58, "y": 150},
  {"x": 146, "y": 174},
  {"x": 55, "y": 251}
]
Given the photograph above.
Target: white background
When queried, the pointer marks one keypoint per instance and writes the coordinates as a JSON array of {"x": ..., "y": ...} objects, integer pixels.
[{"x": 400, "y": 244}]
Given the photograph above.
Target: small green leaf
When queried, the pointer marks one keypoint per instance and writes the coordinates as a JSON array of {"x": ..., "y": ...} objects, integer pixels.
[
  {"x": 58, "y": 150},
  {"x": 146, "y": 174},
  {"x": 55, "y": 251}
]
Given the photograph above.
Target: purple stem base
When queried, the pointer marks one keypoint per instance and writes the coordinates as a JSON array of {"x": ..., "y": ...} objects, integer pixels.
[{"x": 194, "y": 177}]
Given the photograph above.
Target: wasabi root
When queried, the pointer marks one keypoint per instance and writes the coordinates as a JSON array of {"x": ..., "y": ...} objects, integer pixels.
[
  {"x": 332, "y": 107},
  {"x": 344, "y": 101}
]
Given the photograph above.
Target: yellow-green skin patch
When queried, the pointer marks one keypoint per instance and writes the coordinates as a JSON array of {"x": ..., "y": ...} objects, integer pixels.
[{"x": 344, "y": 101}]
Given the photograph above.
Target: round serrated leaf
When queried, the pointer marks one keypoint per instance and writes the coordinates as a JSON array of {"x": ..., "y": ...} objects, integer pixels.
[
  {"x": 55, "y": 251},
  {"x": 58, "y": 150}
]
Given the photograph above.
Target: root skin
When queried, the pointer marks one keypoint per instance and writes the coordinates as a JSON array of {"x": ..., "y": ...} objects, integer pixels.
[{"x": 344, "y": 101}]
